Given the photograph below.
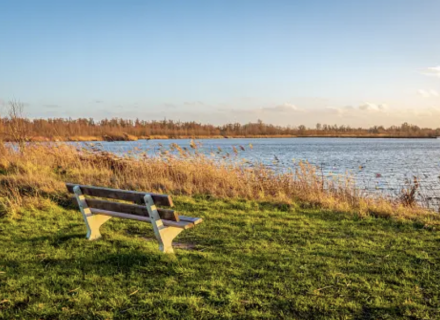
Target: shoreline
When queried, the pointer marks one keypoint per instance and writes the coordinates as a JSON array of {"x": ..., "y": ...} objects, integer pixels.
[{"x": 163, "y": 137}]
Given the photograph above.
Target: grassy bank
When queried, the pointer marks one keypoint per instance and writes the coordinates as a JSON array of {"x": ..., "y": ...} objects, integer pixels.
[
  {"x": 294, "y": 245},
  {"x": 248, "y": 259}
]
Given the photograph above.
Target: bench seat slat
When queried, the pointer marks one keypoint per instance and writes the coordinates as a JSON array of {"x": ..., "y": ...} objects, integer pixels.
[
  {"x": 130, "y": 209},
  {"x": 190, "y": 219},
  {"x": 168, "y": 223},
  {"x": 135, "y": 196}
]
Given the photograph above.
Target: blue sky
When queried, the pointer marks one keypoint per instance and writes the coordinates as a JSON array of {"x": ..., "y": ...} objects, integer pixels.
[{"x": 286, "y": 62}]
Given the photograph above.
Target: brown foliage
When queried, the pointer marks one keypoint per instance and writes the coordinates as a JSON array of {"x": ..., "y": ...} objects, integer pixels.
[
  {"x": 16, "y": 128},
  {"x": 39, "y": 171}
]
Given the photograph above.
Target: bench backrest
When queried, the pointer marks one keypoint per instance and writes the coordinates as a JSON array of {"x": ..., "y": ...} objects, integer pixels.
[{"x": 137, "y": 208}]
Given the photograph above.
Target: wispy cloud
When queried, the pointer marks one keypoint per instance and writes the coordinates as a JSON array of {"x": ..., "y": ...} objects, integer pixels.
[
  {"x": 361, "y": 109},
  {"x": 284, "y": 108},
  {"x": 51, "y": 106},
  {"x": 432, "y": 71},
  {"x": 341, "y": 110},
  {"x": 428, "y": 93},
  {"x": 373, "y": 107},
  {"x": 169, "y": 105},
  {"x": 193, "y": 103}
]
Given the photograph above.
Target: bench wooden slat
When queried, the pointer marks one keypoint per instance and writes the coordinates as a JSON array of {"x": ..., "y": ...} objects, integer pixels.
[
  {"x": 168, "y": 223},
  {"x": 134, "y": 196},
  {"x": 191, "y": 219},
  {"x": 130, "y": 209}
]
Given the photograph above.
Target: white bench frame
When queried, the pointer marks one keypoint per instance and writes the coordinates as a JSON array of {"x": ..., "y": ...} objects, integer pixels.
[{"x": 164, "y": 230}]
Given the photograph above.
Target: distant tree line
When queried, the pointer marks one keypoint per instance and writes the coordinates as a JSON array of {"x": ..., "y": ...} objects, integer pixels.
[
  {"x": 24, "y": 129},
  {"x": 15, "y": 127}
]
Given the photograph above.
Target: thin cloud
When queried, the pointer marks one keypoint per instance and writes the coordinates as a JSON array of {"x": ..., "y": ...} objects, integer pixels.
[
  {"x": 342, "y": 110},
  {"x": 373, "y": 107},
  {"x": 284, "y": 108},
  {"x": 432, "y": 72},
  {"x": 52, "y": 106},
  {"x": 359, "y": 110},
  {"x": 428, "y": 93},
  {"x": 193, "y": 103},
  {"x": 169, "y": 105}
]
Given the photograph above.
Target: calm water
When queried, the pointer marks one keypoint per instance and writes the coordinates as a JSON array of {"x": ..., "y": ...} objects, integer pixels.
[{"x": 378, "y": 165}]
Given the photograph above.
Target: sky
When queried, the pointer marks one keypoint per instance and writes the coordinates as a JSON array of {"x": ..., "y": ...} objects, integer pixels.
[{"x": 358, "y": 63}]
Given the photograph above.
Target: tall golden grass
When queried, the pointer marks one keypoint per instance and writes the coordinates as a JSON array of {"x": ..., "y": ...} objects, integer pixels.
[{"x": 37, "y": 173}]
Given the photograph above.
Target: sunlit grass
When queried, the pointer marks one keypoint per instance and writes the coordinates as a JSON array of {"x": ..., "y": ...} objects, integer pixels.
[
  {"x": 249, "y": 259},
  {"x": 293, "y": 245}
]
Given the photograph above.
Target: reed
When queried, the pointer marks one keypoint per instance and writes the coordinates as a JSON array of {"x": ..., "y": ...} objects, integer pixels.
[{"x": 39, "y": 171}]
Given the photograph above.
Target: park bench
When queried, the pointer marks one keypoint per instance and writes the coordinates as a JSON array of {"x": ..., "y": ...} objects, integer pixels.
[{"x": 167, "y": 224}]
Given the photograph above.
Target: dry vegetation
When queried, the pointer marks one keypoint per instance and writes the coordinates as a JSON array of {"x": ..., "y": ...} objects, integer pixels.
[{"x": 35, "y": 175}]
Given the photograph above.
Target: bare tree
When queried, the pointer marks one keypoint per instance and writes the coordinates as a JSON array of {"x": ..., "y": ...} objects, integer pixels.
[
  {"x": 2, "y": 145},
  {"x": 16, "y": 128}
]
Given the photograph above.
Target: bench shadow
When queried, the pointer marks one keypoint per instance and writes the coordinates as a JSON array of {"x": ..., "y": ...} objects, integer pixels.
[
  {"x": 177, "y": 244},
  {"x": 370, "y": 313}
]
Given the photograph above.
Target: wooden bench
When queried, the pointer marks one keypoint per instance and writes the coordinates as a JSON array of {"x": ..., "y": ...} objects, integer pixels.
[{"x": 167, "y": 224}]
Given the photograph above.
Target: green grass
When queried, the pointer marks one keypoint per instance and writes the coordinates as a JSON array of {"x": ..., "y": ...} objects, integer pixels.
[{"x": 250, "y": 260}]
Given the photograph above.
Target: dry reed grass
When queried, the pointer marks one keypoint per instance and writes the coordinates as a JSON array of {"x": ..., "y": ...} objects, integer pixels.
[{"x": 40, "y": 170}]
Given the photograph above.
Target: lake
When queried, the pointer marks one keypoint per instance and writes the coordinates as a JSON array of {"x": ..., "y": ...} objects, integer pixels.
[{"x": 378, "y": 165}]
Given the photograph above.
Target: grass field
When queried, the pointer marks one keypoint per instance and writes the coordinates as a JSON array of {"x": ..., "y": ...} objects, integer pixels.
[{"x": 247, "y": 260}]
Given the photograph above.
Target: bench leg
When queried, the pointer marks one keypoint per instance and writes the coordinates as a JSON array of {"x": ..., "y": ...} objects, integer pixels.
[
  {"x": 93, "y": 221},
  {"x": 165, "y": 235}
]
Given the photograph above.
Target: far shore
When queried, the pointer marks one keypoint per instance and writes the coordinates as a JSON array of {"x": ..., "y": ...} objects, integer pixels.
[{"x": 126, "y": 137}]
